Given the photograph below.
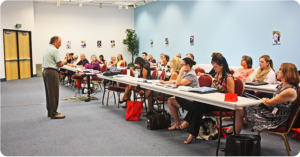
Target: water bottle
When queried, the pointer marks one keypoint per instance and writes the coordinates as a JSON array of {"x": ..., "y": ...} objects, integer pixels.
[{"x": 136, "y": 75}]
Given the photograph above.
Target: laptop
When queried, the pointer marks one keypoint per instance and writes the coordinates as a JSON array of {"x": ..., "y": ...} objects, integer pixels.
[
  {"x": 203, "y": 90},
  {"x": 256, "y": 83}
]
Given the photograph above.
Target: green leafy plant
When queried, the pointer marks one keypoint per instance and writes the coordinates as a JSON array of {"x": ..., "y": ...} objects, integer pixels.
[
  {"x": 131, "y": 65},
  {"x": 131, "y": 43}
]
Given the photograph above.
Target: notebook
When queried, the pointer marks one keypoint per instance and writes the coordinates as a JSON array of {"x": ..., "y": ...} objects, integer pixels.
[
  {"x": 203, "y": 90},
  {"x": 256, "y": 83}
]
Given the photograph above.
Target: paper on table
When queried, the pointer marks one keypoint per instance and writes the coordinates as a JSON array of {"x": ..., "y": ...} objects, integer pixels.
[
  {"x": 150, "y": 81},
  {"x": 272, "y": 86},
  {"x": 184, "y": 88}
]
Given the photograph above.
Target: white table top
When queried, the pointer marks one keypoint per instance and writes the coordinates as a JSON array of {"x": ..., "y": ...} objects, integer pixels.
[
  {"x": 216, "y": 99},
  {"x": 262, "y": 88}
]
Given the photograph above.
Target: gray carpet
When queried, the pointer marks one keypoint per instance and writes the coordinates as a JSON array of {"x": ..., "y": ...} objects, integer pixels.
[{"x": 92, "y": 129}]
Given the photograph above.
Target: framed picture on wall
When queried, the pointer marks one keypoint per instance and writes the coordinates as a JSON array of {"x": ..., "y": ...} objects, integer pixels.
[
  {"x": 68, "y": 45},
  {"x": 99, "y": 44},
  {"x": 276, "y": 37},
  {"x": 167, "y": 42},
  {"x": 151, "y": 43},
  {"x": 112, "y": 44},
  {"x": 83, "y": 44},
  {"x": 192, "y": 40}
]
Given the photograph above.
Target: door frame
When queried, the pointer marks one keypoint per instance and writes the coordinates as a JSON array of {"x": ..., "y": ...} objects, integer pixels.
[{"x": 17, "y": 38}]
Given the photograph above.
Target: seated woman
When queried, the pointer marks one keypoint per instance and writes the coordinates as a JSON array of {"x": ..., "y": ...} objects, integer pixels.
[
  {"x": 164, "y": 65},
  {"x": 264, "y": 73},
  {"x": 144, "y": 73},
  {"x": 247, "y": 70},
  {"x": 212, "y": 71},
  {"x": 223, "y": 82},
  {"x": 69, "y": 62},
  {"x": 175, "y": 68},
  {"x": 101, "y": 60},
  {"x": 71, "y": 73},
  {"x": 151, "y": 59},
  {"x": 94, "y": 64},
  {"x": 285, "y": 97},
  {"x": 186, "y": 77},
  {"x": 113, "y": 60},
  {"x": 119, "y": 61},
  {"x": 161, "y": 56}
]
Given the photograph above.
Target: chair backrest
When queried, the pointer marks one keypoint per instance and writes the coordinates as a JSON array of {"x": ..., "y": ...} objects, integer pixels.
[
  {"x": 162, "y": 76},
  {"x": 201, "y": 70},
  {"x": 104, "y": 68},
  {"x": 205, "y": 81},
  {"x": 125, "y": 63},
  {"x": 124, "y": 72},
  {"x": 232, "y": 71},
  {"x": 238, "y": 86},
  {"x": 154, "y": 74},
  {"x": 112, "y": 62},
  {"x": 122, "y": 64},
  {"x": 294, "y": 114}
]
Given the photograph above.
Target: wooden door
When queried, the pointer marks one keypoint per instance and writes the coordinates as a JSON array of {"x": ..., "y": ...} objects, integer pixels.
[
  {"x": 24, "y": 55},
  {"x": 11, "y": 55}
]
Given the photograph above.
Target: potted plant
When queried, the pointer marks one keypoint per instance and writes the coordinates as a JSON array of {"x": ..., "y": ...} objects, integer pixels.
[{"x": 132, "y": 45}]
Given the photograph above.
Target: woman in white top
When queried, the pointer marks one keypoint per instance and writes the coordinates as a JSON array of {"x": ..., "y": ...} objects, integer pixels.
[{"x": 265, "y": 73}]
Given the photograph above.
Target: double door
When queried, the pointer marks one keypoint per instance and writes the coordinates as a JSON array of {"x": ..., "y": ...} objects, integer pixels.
[{"x": 17, "y": 54}]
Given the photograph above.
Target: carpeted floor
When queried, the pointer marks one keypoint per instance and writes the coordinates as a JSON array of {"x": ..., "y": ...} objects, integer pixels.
[{"x": 93, "y": 129}]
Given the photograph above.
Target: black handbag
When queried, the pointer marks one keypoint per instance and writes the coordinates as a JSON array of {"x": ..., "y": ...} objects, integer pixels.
[
  {"x": 159, "y": 119},
  {"x": 243, "y": 145},
  {"x": 111, "y": 73}
]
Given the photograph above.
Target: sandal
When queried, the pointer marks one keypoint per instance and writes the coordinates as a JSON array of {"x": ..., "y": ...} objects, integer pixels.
[
  {"x": 173, "y": 127},
  {"x": 145, "y": 114},
  {"x": 189, "y": 140},
  {"x": 183, "y": 126}
]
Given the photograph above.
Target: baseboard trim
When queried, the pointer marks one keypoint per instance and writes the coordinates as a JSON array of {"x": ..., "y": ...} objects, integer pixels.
[
  {"x": 3, "y": 80},
  {"x": 34, "y": 75}
]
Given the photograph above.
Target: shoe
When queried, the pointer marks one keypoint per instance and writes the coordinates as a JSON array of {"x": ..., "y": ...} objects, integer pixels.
[
  {"x": 245, "y": 124},
  {"x": 57, "y": 113},
  {"x": 125, "y": 106},
  {"x": 185, "y": 126},
  {"x": 223, "y": 149},
  {"x": 123, "y": 101},
  {"x": 67, "y": 85},
  {"x": 189, "y": 140},
  {"x": 225, "y": 131},
  {"x": 173, "y": 127},
  {"x": 58, "y": 117}
]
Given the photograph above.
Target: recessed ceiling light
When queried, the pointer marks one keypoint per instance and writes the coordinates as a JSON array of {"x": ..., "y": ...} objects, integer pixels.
[
  {"x": 58, "y": 3},
  {"x": 126, "y": 6},
  {"x": 80, "y": 4},
  {"x": 134, "y": 5},
  {"x": 100, "y": 5},
  {"x": 144, "y": 2},
  {"x": 120, "y": 6}
]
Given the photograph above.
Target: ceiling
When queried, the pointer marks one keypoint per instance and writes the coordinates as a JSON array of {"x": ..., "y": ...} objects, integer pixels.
[{"x": 105, "y": 3}]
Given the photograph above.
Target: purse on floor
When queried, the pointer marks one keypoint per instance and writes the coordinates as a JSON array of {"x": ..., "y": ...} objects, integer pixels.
[
  {"x": 159, "y": 119},
  {"x": 134, "y": 110},
  {"x": 243, "y": 145}
]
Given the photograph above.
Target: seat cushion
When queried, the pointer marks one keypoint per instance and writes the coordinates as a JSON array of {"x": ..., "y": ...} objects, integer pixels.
[
  {"x": 76, "y": 77},
  {"x": 97, "y": 79},
  {"x": 160, "y": 98},
  {"x": 117, "y": 88},
  {"x": 217, "y": 113},
  {"x": 281, "y": 129}
]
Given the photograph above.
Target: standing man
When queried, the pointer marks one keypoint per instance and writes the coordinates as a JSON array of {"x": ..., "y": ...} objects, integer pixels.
[
  {"x": 51, "y": 64},
  {"x": 144, "y": 56},
  {"x": 178, "y": 55}
]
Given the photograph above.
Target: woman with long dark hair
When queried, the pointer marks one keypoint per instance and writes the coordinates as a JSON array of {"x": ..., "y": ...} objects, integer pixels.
[
  {"x": 144, "y": 73},
  {"x": 101, "y": 59},
  {"x": 223, "y": 82}
]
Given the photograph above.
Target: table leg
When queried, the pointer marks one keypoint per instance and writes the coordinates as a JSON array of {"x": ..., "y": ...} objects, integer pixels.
[
  {"x": 234, "y": 122},
  {"x": 89, "y": 88},
  {"x": 220, "y": 132}
]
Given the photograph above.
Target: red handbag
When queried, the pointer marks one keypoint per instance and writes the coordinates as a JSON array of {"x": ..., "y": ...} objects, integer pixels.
[{"x": 134, "y": 110}]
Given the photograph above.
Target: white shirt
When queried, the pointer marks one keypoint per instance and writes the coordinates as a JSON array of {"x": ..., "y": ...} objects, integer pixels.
[{"x": 270, "y": 77}]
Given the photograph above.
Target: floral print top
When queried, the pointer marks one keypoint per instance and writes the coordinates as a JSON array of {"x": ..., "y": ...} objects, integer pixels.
[{"x": 220, "y": 84}]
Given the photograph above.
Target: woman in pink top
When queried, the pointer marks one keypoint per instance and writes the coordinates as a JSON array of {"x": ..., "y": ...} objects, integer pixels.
[{"x": 247, "y": 70}]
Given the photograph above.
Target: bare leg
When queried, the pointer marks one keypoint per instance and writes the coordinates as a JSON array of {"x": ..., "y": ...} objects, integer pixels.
[
  {"x": 127, "y": 93},
  {"x": 173, "y": 105},
  {"x": 239, "y": 115}
]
